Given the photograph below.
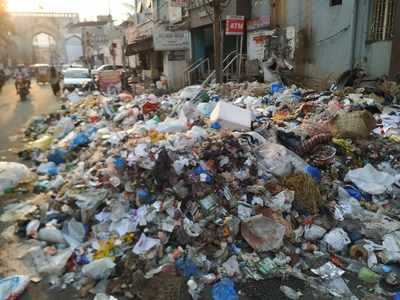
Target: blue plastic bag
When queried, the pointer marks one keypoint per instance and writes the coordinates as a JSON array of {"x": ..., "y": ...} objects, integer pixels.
[
  {"x": 215, "y": 125},
  {"x": 81, "y": 139},
  {"x": 277, "y": 87},
  {"x": 57, "y": 156},
  {"x": 119, "y": 162},
  {"x": 49, "y": 168},
  {"x": 314, "y": 172},
  {"x": 353, "y": 192},
  {"x": 187, "y": 267},
  {"x": 224, "y": 290}
]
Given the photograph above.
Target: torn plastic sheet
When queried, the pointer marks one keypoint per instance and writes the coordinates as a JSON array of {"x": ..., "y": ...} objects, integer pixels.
[{"x": 370, "y": 180}]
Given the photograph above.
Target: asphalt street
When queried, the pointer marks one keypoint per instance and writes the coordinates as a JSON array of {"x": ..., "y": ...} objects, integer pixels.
[{"x": 14, "y": 114}]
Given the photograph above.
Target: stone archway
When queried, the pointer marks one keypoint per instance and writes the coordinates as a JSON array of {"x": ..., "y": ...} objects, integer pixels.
[
  {"x": 58, "y": 54},
  {"x": 44, "y": 48},
  {"x": 73, "y": 48},
  {"x": 30, "y": 24}
]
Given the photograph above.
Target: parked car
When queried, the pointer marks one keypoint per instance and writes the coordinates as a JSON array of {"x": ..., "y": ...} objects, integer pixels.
[
  {"x": 107, "y": 68},
  {"x": 76, "y": 78}
]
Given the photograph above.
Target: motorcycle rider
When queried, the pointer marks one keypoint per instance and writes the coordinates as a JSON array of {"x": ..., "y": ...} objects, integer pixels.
[{"x": 21, "y": 77}]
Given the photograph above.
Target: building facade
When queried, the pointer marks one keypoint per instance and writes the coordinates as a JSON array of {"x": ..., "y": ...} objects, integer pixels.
[{"x": 337, "y": 35}]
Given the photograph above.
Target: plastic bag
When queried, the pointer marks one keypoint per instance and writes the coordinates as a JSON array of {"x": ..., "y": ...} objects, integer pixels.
[
  {"x": 262, "y": 233},
  {"x": 74, "y": 233},
  {"x": 32, "y": 228},
  {"x": 99, "y": 269},
  {"x": 12, "y": 174},
  {"x": 190, "y": 92},
  {"x": 57, "y": 156},
  {"x": 49, "y": 168},
  {"x": 80, "y": 139},
  {"x": 370, "y": 180},
  {"x": 313, "y": 232},
  {"x": 337, "y": 238},
  {"x": 391, "y": 244},
  {"x": 43, "y": 143},
  {"x": 12, "y": 287},
  {"x": 51, "y": 235},
  {"x": 282, "y": 201},
  {"x": 224, "y": 290},
  {"x": 279, "y": 160},
  {"x": 104, "y": 297},
  {"x": 64, "y": 126}
]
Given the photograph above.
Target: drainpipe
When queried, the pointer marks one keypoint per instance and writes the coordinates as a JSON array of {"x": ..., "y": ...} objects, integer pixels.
[{"x": 354, "y": 34}]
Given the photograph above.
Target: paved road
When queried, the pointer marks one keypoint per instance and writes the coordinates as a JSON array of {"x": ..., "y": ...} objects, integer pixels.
[{"x": 14, "y": 114}]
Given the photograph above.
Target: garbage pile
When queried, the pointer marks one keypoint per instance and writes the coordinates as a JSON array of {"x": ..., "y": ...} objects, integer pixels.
[{"x": 192, "y": 193}]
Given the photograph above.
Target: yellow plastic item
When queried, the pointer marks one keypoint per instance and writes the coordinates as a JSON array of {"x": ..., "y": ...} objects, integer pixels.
[
  {"x": 43, "y": 143},
  {"x": 394, "y": 138},
  {"x": 105, "y": 248}
]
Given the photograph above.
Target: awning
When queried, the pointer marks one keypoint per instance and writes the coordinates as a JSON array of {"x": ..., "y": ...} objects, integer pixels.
[{"x": 139, "y": 46}]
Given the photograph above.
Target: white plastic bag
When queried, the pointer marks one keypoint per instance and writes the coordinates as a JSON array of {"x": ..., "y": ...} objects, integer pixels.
[
  {"x": 370, "y": 180},
  {"x": 12, "y": 287},
  {"x": 279, "y": 160},
  {"x": 32, "y": 228},
  {"x": 51, "y": 235},
  {"x": 313, "y": 232},
  {"x": 337, "y": 239},
  {"x": 12, "y": 174},
  {"x": 391, "y": 244},
  {"x": 99, "y": 269}
]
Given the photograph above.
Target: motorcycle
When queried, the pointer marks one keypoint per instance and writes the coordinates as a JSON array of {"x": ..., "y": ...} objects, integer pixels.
[{"x": 23, "y": 85}]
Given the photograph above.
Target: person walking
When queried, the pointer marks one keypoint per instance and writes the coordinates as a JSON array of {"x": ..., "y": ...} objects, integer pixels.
[{"x": 54, "y": 79}]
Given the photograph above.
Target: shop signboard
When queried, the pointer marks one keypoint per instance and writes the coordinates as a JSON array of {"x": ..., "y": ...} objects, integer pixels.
[
  {"x": 176, "y": 55},
  {"x": 171, "y": 40},
  {"x": 234, "y": 25}
]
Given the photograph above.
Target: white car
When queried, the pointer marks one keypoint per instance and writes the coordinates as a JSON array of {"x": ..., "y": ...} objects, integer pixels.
[
  {"x": 76, "y": 78},
  {"x": 107, "y": 68}
]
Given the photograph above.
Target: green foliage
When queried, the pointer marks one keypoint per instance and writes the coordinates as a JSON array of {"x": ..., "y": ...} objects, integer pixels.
[{"x": 6, "y": 26}]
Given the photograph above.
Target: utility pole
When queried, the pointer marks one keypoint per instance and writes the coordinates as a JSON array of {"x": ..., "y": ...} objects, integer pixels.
[{"x": 217, "y": 39}]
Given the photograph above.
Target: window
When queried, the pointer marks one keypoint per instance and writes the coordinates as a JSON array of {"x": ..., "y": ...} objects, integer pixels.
[
  {"x": 335, "y": 2},
  {"x": 382, "y": 20}
]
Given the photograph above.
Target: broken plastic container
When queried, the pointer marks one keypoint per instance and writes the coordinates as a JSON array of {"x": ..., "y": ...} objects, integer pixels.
[
  {"x": 231, "y": 117},
  {"x": 262, "y": 233}
]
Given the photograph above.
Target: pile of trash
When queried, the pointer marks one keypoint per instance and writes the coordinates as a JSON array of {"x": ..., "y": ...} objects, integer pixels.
[{"x": 191, "y": 193}]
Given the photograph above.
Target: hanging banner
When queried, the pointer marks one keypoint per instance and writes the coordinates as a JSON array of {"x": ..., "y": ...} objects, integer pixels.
[
  {"x": 234, "y": 25},
  {"x": 110, "y": 81}
]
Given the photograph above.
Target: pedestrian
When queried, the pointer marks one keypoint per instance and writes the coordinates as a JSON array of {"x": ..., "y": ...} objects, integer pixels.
[
  {"x": 54, "y": 81},
  {"x": 2, "y": 79}
]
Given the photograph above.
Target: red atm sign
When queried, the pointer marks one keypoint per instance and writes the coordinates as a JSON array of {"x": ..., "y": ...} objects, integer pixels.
[{"x": 234, "y": 25}]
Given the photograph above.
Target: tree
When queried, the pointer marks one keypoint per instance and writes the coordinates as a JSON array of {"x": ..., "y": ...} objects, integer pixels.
[{"x": 6, "y": 26}]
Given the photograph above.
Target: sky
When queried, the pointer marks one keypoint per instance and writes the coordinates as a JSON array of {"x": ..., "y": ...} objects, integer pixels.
[{"x": 87, "y": 9}]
